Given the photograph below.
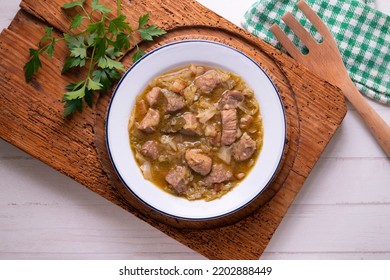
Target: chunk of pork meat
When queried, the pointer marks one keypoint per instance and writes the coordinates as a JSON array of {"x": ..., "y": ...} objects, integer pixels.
[
  {"x": 215, "y": 140},
  {"x": 179, "y": 178},
  {"x": 208, "y": 81},
  {"x": 198, "y": 161},
  {"x": 150, "y": 149},
  {"x": 214, "y": 135},
  {"x": 150, "y": 122},
  {"x": 152, "y": 96},
  {"x": 175, "y": 101},
  {"x": 230, "y": 99},
  {"x": 229, "y": 126},
  {"x": 245, "y": 121},
  {"x": 244, "y": 148},
  {"x": 141, "y": 107},
  {"x": 219, "y": 173},
  {"x": 191, "y": 126}
]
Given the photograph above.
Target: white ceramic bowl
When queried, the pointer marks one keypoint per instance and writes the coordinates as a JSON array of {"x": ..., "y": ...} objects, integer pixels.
[{"x": 173, "y": 56}]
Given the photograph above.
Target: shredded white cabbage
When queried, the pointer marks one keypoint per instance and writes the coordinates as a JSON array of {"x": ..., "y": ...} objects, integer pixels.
[
  {"x": 207, "y": 114},
  {"x": 189, "y": 93},
  {"x": 166, "y": 139},
  {"x": 225, "y": 154},
  {"x": 246, "y": 110},
  {"x": 140, "y": 157},
  {"x": 146, "y": 170}
]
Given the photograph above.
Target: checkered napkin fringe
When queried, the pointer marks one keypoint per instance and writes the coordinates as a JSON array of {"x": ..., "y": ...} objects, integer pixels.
[{"x": 361, "y": 32}]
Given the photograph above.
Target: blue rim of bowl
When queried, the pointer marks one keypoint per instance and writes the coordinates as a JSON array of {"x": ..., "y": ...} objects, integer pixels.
[{"x": 153, "y": 207}]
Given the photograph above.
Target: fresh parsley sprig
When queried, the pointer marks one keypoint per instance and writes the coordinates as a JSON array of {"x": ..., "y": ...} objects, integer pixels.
[{"x": 97, "y": 47}]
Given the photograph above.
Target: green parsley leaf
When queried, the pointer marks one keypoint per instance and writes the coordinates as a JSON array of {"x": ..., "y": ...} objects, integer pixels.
[
  {"x": 74, "y": 86},
  {"x": 101, "y": 47},
  {"x": 75, "y": 94},
  {"x": 74, "y": 41},
  {"x": 76, "y": 22},
  {"x": 92, "y": 85},
  {"x": 72, "y": 105},
  {"x": 73, "y": 4},
  {"x": 113, "y": 74},
  {"x": 149, "y": 32},
  {"x": 118, "y": 24},
  {"x": 122, "y": 41},
  {"x": 48, "y": 31},
  {"x": 88, "y": 97},
  {"x": 32, "y": 65},
  {"x": 50, "y": 48},
  {"x": 96, "y": 27},
  {"x": 79, "y": 52},
  {"x": 137, "y": 55},
  {"x": 143, "y": 20},
  {"x": 99, "y": 7},
  {"x": 113, "y": 53},
  {"x": 100, "y": 76},
  {"x": 48, "y": 35},
  {"x": 71, "y": 62},
  {"x": 90, "y": 39},
  {"x": 105, "y": 77},
  {"x": 106, "y": 62}
]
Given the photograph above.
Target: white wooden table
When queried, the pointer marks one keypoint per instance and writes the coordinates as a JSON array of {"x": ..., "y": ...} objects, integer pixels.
[{"x": 342, "y": 212}]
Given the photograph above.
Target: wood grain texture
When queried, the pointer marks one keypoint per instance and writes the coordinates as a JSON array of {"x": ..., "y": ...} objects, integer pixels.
[{"x": 34, "y": 123}]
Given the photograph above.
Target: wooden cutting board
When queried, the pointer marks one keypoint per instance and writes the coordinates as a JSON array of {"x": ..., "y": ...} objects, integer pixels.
[{"x": 31, "y": 119}]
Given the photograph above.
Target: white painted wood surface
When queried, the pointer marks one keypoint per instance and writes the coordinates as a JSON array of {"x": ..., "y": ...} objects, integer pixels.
[{"x": 342, "y": 212}]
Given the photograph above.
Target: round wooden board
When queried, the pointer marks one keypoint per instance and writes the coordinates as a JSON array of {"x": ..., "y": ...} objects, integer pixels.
[{"x": 292, "y": 139}]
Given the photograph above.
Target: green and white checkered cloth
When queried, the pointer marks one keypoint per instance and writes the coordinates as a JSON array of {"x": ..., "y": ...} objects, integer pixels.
[{"x": 361, "y": 32}]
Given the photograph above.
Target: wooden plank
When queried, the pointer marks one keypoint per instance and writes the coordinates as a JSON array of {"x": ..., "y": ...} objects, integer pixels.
[
  {"x": 129, "y": 255},
  {"x": 348, "y": 225},
  {"x": 32, "y": 169},
  {"x": 376, "y": 256},
  {"x": 373, "y": 185},
  {"x": 8, "y": 151},
  {"x": 355, "y": 139},
  {"x": 72, "y": 144},
  {"x": 7, "y": 12},
  {"x": 96, "y": 239}
]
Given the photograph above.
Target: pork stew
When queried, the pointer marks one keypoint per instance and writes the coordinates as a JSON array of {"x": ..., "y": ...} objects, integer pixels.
[{"x": 196, "y": 131}]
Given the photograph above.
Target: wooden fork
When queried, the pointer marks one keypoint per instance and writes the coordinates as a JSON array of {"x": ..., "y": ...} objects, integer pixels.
[{"x": 324, "y": 60}]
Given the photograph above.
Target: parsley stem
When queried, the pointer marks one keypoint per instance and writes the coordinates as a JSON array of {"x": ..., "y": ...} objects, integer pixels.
[
  {"x": 91, "y": 61},
  {"x": 119, "y": 7},
  {"x": 88, "y": 16},
  {"x": 43, "y": 48}
]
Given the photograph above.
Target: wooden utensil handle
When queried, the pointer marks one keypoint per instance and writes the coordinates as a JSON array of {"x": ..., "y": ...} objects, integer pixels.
[{"x": 379, "y": 128}]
